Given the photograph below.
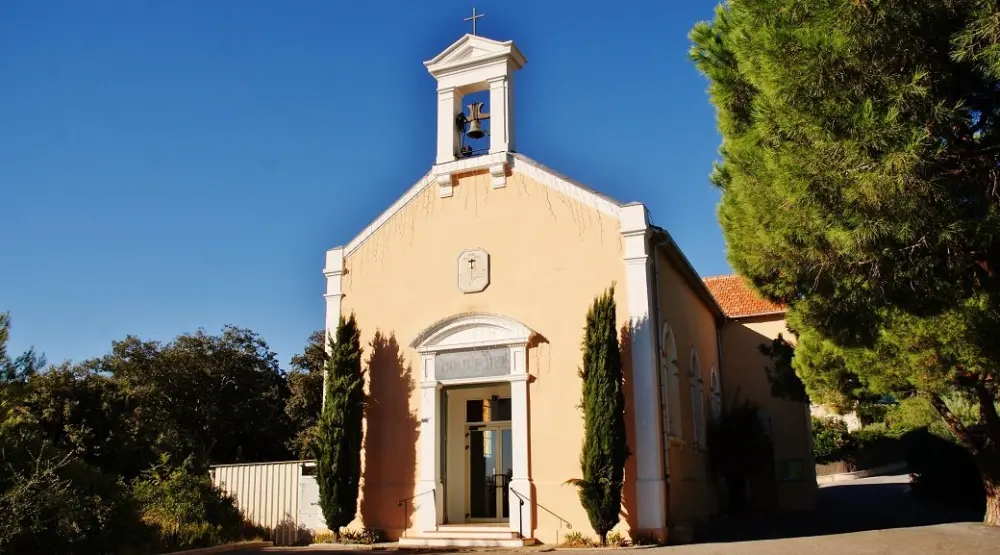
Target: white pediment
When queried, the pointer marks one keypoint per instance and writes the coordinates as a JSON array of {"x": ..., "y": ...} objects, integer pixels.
[
  {"x": 472, "y": 50},
  {"x": 467, "y": 331}
]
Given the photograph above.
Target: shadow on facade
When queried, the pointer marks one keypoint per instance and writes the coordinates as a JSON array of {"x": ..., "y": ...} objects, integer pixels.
[
  {"x": 391, "y": 435},
  {"x": 629, "y": 510}
]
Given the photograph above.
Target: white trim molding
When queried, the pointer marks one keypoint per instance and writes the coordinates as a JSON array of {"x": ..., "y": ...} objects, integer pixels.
[
  {"x": 385, "y": 216},
  {"x": 471, "y": 331},
  {"x": 650, "y": 483},
  {"x": 697, "y": 400},
  {"x": 466, "y": 332},
  {"x": 334, "y": 272},
  {"x": 572, "y": 189}
]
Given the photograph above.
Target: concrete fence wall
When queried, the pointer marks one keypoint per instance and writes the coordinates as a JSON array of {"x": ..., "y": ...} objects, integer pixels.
[{"x": 268, "y": 495}]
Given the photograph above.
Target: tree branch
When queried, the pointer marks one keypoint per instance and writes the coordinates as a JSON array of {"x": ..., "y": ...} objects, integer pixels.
[
  {"x": 955, "y": 425},
  {"x": 988, "y": 411}
]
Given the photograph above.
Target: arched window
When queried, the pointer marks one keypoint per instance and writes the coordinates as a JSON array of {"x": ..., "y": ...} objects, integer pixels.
[
  {"x": 716, "y": 391},
  {"x": 697, "y": 400},
  {"x": 670, "y": 388}
]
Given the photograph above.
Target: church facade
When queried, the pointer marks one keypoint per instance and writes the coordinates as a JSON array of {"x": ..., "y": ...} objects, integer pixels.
[{"x": 471, "y": 292}]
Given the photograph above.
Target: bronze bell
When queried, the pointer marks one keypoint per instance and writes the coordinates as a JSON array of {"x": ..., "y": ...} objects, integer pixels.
[
  {"x": 475, "y": 119},
  {"x": 476, "y": 130}
]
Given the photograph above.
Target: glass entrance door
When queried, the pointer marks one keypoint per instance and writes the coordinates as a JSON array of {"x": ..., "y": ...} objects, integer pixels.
[{"x": 490, "y": 468}]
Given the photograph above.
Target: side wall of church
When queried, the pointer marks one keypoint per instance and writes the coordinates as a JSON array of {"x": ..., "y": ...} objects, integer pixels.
[
  {"x": 692, "y": 491},
  {"x": 793, "y": 482},
  {"x": 550, "y": 255}
]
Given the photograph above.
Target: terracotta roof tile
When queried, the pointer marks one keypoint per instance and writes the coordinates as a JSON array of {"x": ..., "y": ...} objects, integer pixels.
[{"x": 737, "y": 299}]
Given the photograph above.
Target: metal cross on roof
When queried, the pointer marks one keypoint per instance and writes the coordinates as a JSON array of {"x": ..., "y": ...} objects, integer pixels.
[{"x": 473, "y": 19}]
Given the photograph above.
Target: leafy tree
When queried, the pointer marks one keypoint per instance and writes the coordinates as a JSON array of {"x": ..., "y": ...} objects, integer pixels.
[
  {"x": 305, "y": 400},
  {"x": 605, "y": 446},
  {"x": 89, "y": 414},
  {"x": 859, "y": 160},
  {"x": 109, "y": 456},
  {"x": 220, "y": 397},
  {"x": 339, "y": 434},
  {"x": 16, "y": 370},
  {"x": 52, "y": 500}
]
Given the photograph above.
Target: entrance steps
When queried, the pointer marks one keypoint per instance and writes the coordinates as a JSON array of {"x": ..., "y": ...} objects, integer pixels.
[{"x": 466, "y": 535}]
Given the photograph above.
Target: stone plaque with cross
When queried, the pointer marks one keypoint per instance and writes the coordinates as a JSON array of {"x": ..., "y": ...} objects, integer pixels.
[{"x": 473, "y": 270}]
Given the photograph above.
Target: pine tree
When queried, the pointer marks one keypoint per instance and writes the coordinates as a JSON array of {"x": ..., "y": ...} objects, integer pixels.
[
  {"x": 605, "y": 446},
  {"x": 337, "y": 446},
  {"x": 860, "y": 147}
]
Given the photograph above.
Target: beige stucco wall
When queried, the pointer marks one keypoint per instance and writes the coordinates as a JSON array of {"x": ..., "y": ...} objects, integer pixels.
[
  {"x": 744, "y": 375},
  {"x": 549, "y": 256},
  {"x": 692, "y": 491}
]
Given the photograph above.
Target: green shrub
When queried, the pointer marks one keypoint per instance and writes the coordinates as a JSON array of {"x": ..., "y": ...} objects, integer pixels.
[
  {"x": 873, "y": 446},
  {"x": 186, "y": 511},
  {"x": 365, "y": 536},
  {"x": 616, "y": 539},
  {"x": 323, "y": 537},
  {"x": 830, "y": 439},
  {"x": 52, "y": 501},
  {"x": 577, "y": 539}
]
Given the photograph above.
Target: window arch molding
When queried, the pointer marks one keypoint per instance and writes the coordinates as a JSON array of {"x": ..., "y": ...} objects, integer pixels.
[
  {"x": 697, "y": 399},
  {"x": 715, "y": 392},
  {"x": 670, "y": 389}
]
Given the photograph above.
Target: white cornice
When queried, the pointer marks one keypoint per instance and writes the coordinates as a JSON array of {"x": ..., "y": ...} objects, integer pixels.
[{"x": 472, "y": 50}]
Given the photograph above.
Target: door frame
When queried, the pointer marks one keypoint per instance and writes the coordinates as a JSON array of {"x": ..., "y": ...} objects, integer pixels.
[{"x": 497, "y": 426}]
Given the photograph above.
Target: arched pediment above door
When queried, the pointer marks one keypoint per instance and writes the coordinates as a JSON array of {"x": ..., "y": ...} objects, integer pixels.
[{"x": 471, "y": 330}]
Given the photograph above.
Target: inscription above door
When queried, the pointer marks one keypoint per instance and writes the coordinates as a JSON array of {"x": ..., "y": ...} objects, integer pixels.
[{"x": 472, "y": 364}]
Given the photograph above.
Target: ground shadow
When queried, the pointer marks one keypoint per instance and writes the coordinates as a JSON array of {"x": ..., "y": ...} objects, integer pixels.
[
  {"x": 629, "y": 493},
  {"x": 869, "y": 504},
  {"x": 391, "y": 432}
]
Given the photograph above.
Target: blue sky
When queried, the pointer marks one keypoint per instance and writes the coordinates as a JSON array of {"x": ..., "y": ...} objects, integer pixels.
[{"x": 166, "y": 166}]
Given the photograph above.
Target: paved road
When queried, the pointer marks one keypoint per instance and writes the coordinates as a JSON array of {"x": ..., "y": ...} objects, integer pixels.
[
  {"x": 862, "y": 505},
  {"x": 874, "y": 516}
]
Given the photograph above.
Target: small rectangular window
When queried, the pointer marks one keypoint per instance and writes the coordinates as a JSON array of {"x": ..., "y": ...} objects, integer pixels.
[
  {"x": 474, "y": 411},
  {"x": 500, "y": 409}
]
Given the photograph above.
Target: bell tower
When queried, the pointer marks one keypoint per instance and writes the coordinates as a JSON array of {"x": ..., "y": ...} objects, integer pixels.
[{"x": 474, "y": 64}]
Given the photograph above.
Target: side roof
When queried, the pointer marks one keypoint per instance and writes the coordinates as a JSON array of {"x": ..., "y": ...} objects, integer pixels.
[
  {"x": 663, "y": 241},
  {"x": 738, "y": 300},
  {"x": 519, "y": 163}
]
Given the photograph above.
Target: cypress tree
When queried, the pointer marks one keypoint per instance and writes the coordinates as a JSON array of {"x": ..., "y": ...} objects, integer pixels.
[
  {"x": 337, "y": 446},
  {"x": 605, "y": 447}
]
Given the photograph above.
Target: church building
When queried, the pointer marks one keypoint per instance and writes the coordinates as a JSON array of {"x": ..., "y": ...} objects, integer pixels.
[{"x": 471, "y": 292}]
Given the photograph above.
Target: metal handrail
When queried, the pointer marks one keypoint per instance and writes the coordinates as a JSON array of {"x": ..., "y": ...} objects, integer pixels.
[
  {"x": 404, "y": 503},
  {"x": 520, "y": 510},
  {"x": 521, "y": 498}
]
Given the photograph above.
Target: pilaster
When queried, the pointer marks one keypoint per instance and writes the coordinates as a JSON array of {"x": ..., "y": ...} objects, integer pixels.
[
  {"x": 334, "y": 272},
  {"x": 428, "y": 504},
  {"x": 650, "y": 484},
  {"x": 500, "y": 115},
  {"x": 448, "y": 134},
  {"x": 520, "y": 429}
]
